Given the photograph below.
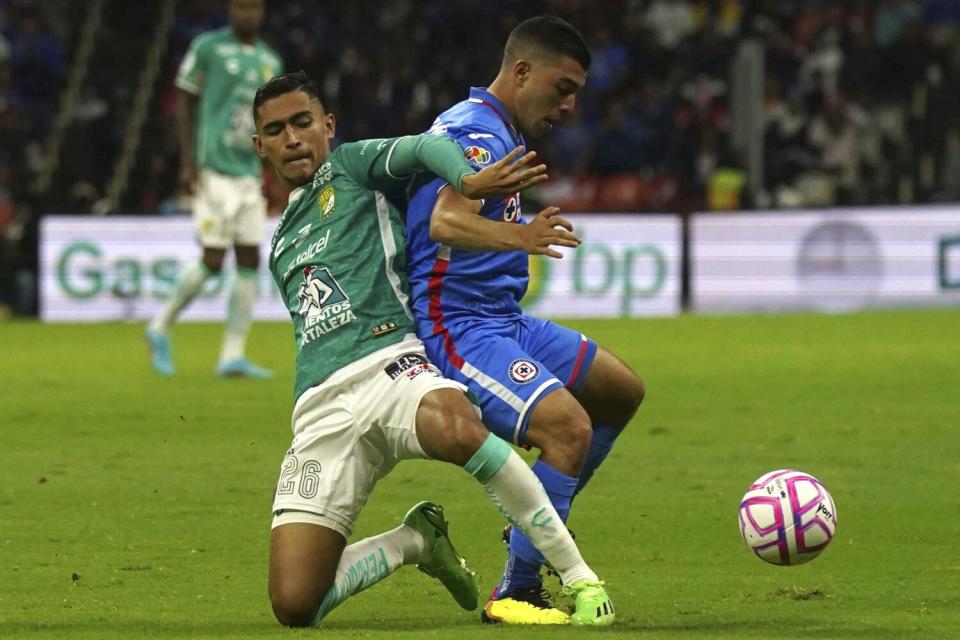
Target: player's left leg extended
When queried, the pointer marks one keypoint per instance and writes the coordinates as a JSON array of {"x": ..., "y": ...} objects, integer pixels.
[
  {"x": 349, "y": 432},
  {"x": 243, "y": 296},
  {"x": 312, "y": 570}
]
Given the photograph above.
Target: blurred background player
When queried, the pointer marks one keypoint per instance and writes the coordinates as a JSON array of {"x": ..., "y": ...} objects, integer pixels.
[
  {"x": 538, "y": 383},
  {"x": 216, "y": 84},
  {"x": 366, "y": 396}
]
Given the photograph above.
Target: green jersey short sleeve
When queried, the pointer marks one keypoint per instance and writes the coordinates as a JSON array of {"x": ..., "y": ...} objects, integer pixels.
[
  {"x": 224, "y": 74},
  {"x": 338, "y": 255}
]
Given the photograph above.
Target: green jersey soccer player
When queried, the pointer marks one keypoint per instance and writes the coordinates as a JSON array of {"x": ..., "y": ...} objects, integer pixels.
[
  {"x": 365, "y": 395},
  {"x": 215, "y": 86}
]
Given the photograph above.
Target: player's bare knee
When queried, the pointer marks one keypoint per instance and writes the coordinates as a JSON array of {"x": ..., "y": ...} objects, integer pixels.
[
  {"x": 467, "y": 436},
  {"x": 567, "y": 435},
  {"x": 213, "y": 262},
  {"x": 293, "y": 607},
  {"x": 448, "y": 428},
  {"x": 578, "y": 432},
  {"x": 634, "y": 393},
  {"x": 618, "y": 401},
  {"x": 248, "y": 257}
]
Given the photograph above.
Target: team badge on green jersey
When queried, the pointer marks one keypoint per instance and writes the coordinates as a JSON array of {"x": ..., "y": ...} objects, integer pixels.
[{"x": 326, "y": 200}]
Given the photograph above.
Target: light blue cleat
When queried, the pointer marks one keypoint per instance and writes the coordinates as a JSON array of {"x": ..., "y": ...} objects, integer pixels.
[
  {"x": 242, "y": 368},
  {"x": 161, "y": 358}
]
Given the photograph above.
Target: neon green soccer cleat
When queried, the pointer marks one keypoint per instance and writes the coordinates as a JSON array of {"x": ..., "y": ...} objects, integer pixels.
[
  {"x": 440, "y": 560},
  {"x": 592, "y": 604}
]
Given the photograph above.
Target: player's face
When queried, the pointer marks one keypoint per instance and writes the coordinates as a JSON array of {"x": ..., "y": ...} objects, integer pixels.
[
  {"x": 548, "y": 94},
  {"x": 246, "y": 16},
  {"x": 293, "y": 135}
]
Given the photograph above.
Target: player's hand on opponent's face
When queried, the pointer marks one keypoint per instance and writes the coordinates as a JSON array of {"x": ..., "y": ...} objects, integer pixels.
[
  {"x": 546, "y": 231},
  {"x": 505, "y": 177}
]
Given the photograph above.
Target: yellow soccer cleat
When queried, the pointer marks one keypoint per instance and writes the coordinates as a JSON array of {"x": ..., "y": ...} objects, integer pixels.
[{"x": 522, "y": 606}]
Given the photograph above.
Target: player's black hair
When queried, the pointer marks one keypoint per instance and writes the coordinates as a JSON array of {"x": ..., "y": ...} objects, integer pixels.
[
  {"x": 285, "y": 83},
  {"x": 551, "y": 33}
]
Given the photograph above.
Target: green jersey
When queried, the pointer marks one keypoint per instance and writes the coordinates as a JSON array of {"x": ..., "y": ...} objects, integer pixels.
[
  {"x": 339, "y": 257},
  {"x": 225, "y": 74}
]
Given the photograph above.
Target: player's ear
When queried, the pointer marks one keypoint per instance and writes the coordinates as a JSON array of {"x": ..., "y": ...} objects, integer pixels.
[
  {"x": 330, "y": 125},
  {"x": 521, "y": 71},
  {"x": 258, "y": 145}
]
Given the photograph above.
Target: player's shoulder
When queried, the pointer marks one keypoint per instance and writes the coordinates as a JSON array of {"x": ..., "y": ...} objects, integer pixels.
[
  {"x": 342, "y": 152},
  {"x": 268, "y": 51},
  {"x": 471, "y": 123},
  {"x": 470, "y": 115},
  {"x": 211, "y": 38},
  {"x": 343, "y": 162},
  {"x": 346, "y": 151}
]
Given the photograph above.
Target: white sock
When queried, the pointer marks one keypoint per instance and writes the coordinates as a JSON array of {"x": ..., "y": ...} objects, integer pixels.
[
  {"x": 243, "y": 295},
  {"x": 365, "y": 563},
  {"x": 188, "y": 287},
  {"x": 518, "y": 494}
]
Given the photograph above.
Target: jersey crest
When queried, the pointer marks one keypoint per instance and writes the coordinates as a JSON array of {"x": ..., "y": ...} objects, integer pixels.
[
  {"x": 327, "y": 199},
  {"x": 523, "y": 371}
]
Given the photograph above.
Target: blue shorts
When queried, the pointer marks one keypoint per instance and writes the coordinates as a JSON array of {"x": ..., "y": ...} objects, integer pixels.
[{"x": 510, "y": 365}]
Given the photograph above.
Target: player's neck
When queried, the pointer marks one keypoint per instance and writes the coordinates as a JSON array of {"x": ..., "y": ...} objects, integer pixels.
[
  {"x": 245, "y": 38},
  {"x": 501, "y": 91}
]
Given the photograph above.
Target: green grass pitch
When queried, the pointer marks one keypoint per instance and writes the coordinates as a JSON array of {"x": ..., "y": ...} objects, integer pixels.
[{"x": 133, "y": 506}]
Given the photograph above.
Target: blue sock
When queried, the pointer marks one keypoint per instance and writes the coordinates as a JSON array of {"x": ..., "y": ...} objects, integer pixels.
[
  {"x": 523, "y": 562},
  {"x": 600, "y": 445}
]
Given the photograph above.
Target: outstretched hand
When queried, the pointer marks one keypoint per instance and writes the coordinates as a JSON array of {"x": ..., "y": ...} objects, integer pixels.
[
  {"x": 504, "y": 176},
  {"x": 545, "y": 231}
]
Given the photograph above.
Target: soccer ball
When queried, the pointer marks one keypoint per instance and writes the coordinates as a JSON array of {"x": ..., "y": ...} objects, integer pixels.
[{"x": 787, "y": 517}]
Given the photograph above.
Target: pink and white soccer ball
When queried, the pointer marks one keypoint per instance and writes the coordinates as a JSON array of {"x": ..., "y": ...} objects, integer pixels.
[{"x": 787, "y": 517}]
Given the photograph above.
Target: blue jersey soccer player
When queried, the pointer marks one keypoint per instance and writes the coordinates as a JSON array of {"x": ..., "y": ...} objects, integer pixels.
[{"x": 538, "y": 383}]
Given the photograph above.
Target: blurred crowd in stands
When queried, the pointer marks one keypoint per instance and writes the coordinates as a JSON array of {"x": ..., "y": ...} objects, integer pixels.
[
  {"x": 34, "y": 58},
  {"x": 860, "y": 96}
]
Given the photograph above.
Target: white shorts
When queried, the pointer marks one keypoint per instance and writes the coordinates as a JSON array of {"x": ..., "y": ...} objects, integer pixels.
[
  {"x": 228, "y": 210},
  {"x": 350, "y": 431}
]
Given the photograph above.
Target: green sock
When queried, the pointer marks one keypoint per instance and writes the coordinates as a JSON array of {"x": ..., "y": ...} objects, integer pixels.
[
  {"x": 243, "y": 295},
  {"x": 518, "y": 495},
  {"x": 363, "y": 564},
  {"x": 188, "y": 287}
]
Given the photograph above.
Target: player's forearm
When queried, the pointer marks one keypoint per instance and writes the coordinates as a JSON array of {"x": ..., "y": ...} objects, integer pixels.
[
  {"x": 472, "y": 232},
  {"x": 437, "y": 154},
  {"x": 186, "y": 110}
]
